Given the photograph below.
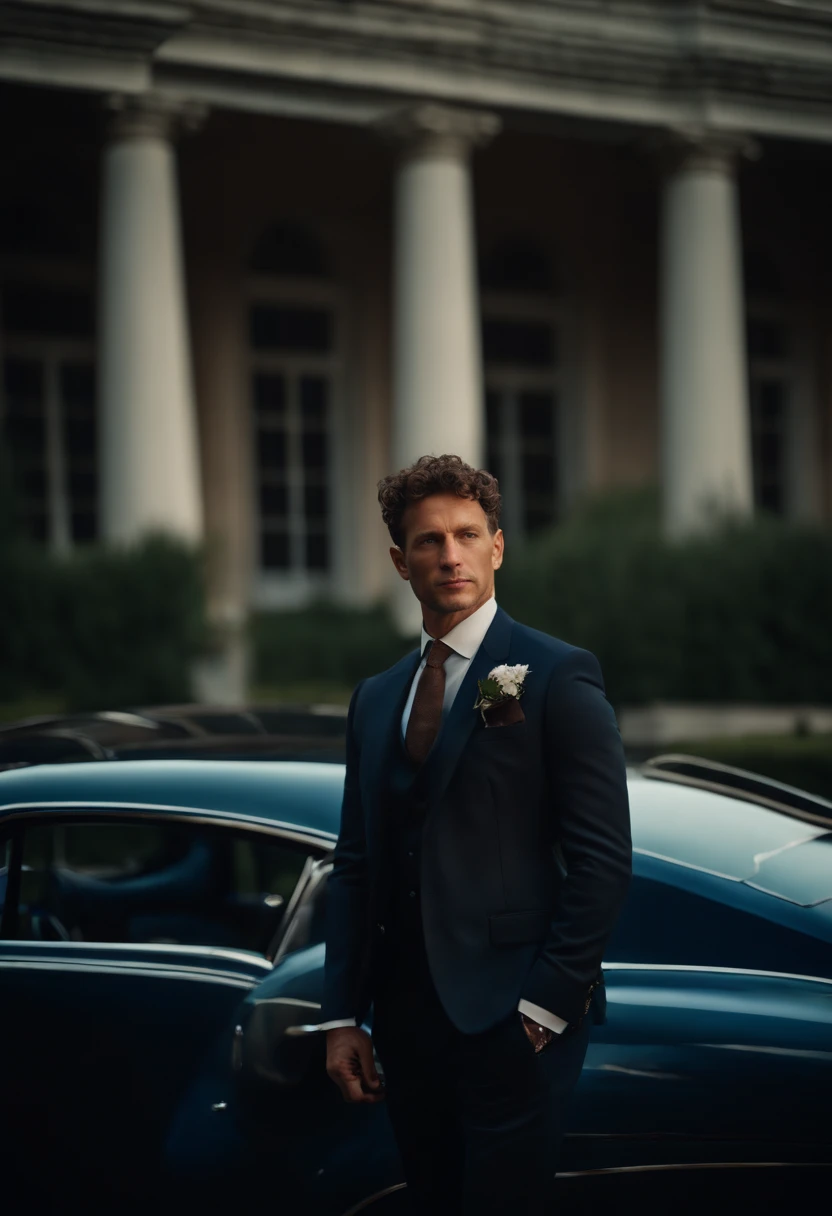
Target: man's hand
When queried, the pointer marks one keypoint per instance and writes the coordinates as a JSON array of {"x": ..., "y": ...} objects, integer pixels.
[
  {"x": 539, "y": 1036},
  {"x": 349, "y": 1061}
]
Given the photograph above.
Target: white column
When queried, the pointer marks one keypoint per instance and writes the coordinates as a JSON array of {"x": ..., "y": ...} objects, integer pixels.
[
  {"x": 149, "y": 456},
  {"x": 438, "y": 404},
  {"x": 438, "y": 396},
  {"x": 706, "y": 431}
]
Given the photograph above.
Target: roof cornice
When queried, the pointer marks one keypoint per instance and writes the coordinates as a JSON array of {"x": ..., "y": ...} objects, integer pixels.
[{"x": 764, "y": 66}]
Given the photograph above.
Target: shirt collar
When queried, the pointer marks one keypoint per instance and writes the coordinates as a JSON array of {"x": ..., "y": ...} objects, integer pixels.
[{"x": 466, "y": 637}]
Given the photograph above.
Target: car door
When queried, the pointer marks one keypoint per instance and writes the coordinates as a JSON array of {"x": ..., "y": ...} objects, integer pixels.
[{"x": 127, "y": 941}]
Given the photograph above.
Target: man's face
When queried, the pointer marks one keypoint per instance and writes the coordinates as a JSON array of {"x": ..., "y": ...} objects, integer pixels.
[{"x": 449, "y": 556}]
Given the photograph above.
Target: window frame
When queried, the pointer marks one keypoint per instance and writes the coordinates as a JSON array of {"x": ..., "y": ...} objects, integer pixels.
[
  {"x": 17, "y": 818},
  {"x": 509, "y": 380},
  {"x": 296, "y": 585},
  {"x": 783, "y": 370},
  {"x": 51, "y": 354}
]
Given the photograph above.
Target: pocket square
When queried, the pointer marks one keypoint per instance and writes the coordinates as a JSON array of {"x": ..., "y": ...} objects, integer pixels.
[{"x": 504, "y": 713}]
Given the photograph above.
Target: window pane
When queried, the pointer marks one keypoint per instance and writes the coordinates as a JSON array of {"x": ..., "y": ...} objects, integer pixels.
[
  {"x": 84, "y": 526},
  {"x": 79, "y": 437},
  {"x": 78, "y": 387},
  {"x": 23, "y": 425},
  {"x": 155, "y": 882},
  {"x": 536, "y": 518},
  {"x": 313, "y": 399},
  {"x": 767, "y": 339},
  {"x": 271, "y": 450},
  {"x": 289, "y": 250},
  {"x": 770, "y": 498},
  {"x": 770, "y": 449},
  {"x": 314, "y": 451},
  {"x": 34, "y": 308},
  {"x": 526, "y": 343},
  {"x": 317, "y": 552},
  {"x": 23, "y": 408},
  {"x": 769, "y": 402},
  {"x": 768, "y": 431},
  {"x": 23, "y": 382},
  {"x": 77, "y": 381},
  {"x": 32, "y": 483},
  {"x": 269, "y": 394},
  {"x": 274, "y": 500},
  {"x": 283, "y": 327},
  {"x": 274, "y": 551},
  {"x": 36, "y": 526},
  {"x": 493, "y": 403},
  {"x": 83, "y": 485},
  {"x": 315, "y": 502},
  {"x": 537, "y": 415},
  {"x": 538, "y": 474}
]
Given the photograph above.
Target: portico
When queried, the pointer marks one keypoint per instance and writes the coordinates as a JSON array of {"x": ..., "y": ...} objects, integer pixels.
[{"x": 310, "y": 269}]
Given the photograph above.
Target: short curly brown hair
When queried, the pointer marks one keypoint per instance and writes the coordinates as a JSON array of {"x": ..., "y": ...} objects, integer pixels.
[{"x": 437, "y": 475}]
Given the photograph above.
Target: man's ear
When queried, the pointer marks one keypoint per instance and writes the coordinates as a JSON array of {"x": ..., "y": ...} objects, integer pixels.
[
  {"x": 498, "y": 548},
  {"x": 399, "y": 562}
]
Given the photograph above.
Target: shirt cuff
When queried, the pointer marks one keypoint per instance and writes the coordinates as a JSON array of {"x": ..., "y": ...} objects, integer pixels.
[
  {"x": 336, "y": 1023},
  {"x": 543, "y": 1017}
]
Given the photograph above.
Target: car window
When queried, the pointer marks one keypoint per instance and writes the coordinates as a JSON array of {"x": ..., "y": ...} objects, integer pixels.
[{"x": 131, "y": 881}]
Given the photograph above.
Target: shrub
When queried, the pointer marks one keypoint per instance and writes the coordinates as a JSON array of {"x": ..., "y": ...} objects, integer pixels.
[
  {"x": 323, "y": 645},
  {"x": 101, "y": 628},
  {"x": 741, "y": 614}
]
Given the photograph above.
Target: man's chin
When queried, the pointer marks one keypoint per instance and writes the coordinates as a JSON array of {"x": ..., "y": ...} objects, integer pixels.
[{"x": 456, "y": 599}]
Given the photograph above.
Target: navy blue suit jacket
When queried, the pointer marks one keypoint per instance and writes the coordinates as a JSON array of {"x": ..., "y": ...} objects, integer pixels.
[{"x": 526, "y": 854}]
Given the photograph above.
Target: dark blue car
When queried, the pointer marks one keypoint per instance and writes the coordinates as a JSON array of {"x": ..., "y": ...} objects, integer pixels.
[{"x": 161, "y": 962}]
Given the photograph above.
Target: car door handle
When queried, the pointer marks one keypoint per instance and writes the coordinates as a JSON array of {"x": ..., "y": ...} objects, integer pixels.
[{"x": 298, "y": 1032}]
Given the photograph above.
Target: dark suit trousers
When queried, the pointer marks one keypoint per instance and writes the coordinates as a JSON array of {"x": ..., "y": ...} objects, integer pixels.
[{"x": 478, "y": 1119}]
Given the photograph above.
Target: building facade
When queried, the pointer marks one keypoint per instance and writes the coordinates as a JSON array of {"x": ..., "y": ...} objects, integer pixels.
[{"x": 256, "y": 253}]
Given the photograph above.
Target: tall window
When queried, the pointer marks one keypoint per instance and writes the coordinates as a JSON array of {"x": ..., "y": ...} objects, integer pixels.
[
  {"x": 48, "y": 410},
  {"x": 771, "y": 373},
  {"x": 294, "y": 365},
  {"x": 522, "y": 360}
]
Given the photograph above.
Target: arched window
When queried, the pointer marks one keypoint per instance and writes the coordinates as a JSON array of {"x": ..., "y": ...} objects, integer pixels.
[
  {"x": 521, "y": 340},
  {"x": 293, "y": 350},
  {"x": 771, "y": 373}
]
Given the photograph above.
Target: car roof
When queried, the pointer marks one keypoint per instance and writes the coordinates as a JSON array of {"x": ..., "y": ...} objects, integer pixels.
[
  {"x": 724, "y": 835},
  {"x": 304, "y": 794}
]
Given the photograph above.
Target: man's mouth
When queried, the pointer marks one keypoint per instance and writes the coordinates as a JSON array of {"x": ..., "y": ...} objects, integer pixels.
[{"x": 456, "y": 582}]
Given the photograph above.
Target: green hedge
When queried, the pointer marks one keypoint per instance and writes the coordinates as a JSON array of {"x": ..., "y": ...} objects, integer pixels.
[
  {"x": 101, "y": 628},
  {"x": 322, "y": 646},
  {"x": 742, "y": 614}
]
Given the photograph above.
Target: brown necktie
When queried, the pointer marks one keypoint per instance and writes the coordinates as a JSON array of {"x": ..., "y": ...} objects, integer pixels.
[{"x": 426, "y": 710}]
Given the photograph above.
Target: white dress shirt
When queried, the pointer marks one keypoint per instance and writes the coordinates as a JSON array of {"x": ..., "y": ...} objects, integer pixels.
[{"x": 464, "y": 640}]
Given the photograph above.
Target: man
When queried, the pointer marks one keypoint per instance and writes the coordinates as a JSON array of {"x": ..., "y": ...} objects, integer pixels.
[{"x": 483, "y": 856}]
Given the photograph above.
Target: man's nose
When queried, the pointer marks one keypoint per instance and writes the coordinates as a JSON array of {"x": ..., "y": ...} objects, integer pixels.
[{"x": 450, "y": 552}]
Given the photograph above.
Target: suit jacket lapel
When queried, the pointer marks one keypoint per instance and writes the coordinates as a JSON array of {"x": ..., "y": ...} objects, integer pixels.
[{"x": 444, "y": 757}]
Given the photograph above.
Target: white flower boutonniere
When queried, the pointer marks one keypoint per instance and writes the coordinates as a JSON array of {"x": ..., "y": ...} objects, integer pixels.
[{"x": 503, "y": 683}]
